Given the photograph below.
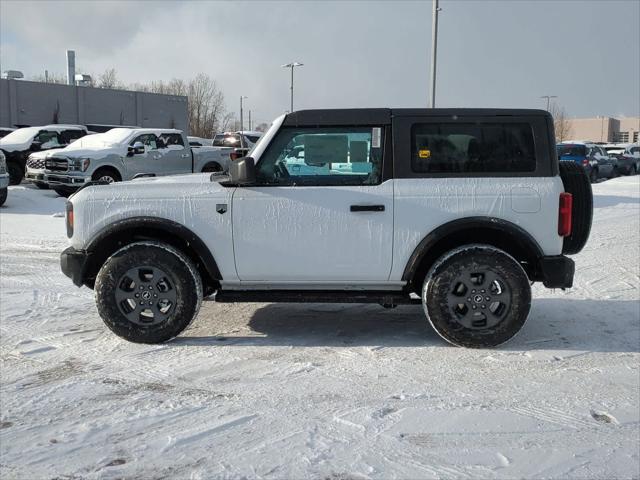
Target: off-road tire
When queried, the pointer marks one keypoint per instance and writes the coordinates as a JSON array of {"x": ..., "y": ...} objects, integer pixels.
[
  {"x": 183, "y": 274},
  {"x": 576, "y": 182},
  {"x": 3, "y": 196},
  {"x": 16, "y": 174},
  {"x": 444, "y": 277},
  {"x": 104, "y": 173}
]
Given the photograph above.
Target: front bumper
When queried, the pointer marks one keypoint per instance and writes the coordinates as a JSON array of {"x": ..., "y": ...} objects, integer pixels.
[
  {"x": 4, "y": 180},
  {"x": 67, "y": 180},
  {"x": 556, "y": 271},
  {"x": 73, "y": 264},
  {"x": 35, "y": 175}
]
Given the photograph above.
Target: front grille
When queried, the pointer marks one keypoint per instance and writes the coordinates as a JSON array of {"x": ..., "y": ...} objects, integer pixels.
[
  {"x": 56, "y": 165},
  {"x": 37, "y": 163}
]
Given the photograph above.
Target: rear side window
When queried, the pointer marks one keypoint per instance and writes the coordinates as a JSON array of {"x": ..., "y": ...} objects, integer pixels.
[
  {"x": 472, "y": 148},
  {"x": 171, "y": 139},
  {"x": 569, "y": 150}
]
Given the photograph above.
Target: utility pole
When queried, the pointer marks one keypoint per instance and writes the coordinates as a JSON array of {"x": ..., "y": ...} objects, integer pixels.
[
  {"x": 292, "y": 65},
  {"x": 249, "y": 119},
  {"x": 434, "y": 50},
  {"x": 548, "y": 97},
  {"x": 241, "y": 119}
]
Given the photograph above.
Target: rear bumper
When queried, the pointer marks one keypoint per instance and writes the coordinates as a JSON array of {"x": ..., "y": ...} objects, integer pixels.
[
  {"x": 73, "y": 264},
  {"x": 556, "y": 271}
]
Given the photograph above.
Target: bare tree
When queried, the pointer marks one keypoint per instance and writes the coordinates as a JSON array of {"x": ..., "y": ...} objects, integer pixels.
[
  {"x": 206, "y": 106},
  {"x": 109, "y": 79},
  {"x": 50, "y": 78},
  {"x": 561, "y": 122}
]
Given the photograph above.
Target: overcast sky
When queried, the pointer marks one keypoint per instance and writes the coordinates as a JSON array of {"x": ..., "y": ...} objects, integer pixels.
[{"x": 357, "y": 54}]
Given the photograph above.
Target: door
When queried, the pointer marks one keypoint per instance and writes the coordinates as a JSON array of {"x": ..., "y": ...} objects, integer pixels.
[
  {"x": 147, "y": 162},
  {"x": 320, "y": 212},
  {"x": 173, "y": 156}
]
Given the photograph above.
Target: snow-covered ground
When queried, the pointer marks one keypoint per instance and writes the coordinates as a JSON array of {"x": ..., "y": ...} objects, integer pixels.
[{"x": 319, "y": 391}]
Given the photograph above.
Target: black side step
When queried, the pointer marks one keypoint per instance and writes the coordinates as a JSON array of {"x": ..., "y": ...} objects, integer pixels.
[{"x": 314, "y": 296}]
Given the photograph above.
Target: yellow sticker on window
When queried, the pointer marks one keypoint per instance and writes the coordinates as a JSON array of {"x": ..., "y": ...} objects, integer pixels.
[{"x": 424, "y": 153}]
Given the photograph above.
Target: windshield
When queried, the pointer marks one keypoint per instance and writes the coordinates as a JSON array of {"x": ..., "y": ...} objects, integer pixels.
[
  {"x": 112, "y": 137},
  {"x": 21, "y": 135},
  {"x": 572, "y": 150}
]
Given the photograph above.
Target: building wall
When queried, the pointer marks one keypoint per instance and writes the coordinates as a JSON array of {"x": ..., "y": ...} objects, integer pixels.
[
  {"x": 605, "y": 129},
  {"x": 24, "y": 103}
]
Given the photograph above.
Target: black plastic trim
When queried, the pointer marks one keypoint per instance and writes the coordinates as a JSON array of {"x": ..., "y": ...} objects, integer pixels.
[
  {"x": 470, "y": 223},
  {"x": 315, "y": 296},
  {"x": 73, "y": 264}
]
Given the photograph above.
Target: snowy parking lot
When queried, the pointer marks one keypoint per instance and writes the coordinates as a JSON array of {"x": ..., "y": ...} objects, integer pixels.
[{"x": 319, "y": 391}]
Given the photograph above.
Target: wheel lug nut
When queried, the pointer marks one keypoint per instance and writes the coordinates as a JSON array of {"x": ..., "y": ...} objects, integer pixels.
[
  {"x": 484, "y": 306},
  {"x": 469, "y": 299},
  {"x": 150, "y": 303},
  {"x": 474, "y": 307},
  {"x": 155, "y": 295},
  {"x": 137, "y": 295},
  {"x": 141, "y": 303},
  {"x": 482, "y": 291},
  {"x": 473, "y": 291},
  {"x": 141, "y": 287},
  {"x": 150, "y": 287},
  {"x": 487, "y": 298}
]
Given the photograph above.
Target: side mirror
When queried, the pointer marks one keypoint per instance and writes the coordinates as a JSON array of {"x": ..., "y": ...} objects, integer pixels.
[
  {"x": 136, "y": 149},
  {"x": 243, "y": 171}
]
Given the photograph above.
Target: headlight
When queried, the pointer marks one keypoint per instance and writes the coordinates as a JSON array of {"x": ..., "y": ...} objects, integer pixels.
[{"x": 79, "y": 164}]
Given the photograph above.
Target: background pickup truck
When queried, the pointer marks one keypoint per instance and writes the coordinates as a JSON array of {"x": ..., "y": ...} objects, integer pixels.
[{"x": 126, "y": 153}]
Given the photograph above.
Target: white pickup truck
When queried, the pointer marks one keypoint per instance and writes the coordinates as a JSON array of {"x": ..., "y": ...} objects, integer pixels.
[{"x": 127, "y": 153}]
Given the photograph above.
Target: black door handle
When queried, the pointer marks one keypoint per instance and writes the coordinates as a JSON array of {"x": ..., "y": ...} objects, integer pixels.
[{"x": 367, "y": 208}]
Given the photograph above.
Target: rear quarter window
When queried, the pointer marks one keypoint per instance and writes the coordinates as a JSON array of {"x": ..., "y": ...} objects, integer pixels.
[{"x": 472, "y": 148}]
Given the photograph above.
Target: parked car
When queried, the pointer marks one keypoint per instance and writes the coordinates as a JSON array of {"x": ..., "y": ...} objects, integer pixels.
[
  {"x": 19, "y": 144},
  {"x": 4, "y": 179},
  {"x": 457, "y": 209},
  {"x": 4, "y": 131},
  {"x": 593, "y": 158},
  {"x": 629, "y": 160},
  {"x": 126, "y": 153},
  {"x": 241, "y": 142}
]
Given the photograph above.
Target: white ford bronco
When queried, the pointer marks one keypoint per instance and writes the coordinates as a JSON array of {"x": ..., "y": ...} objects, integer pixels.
[{"x": 457, "y": 209}]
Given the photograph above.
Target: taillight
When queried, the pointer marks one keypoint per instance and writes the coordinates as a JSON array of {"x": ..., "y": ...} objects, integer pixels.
[
  {"x": 69, "y": 219},
  {"x": 234, "y": 155},
  {"x": 585, "y": 162},
  {"x": 564, "y": 214}
]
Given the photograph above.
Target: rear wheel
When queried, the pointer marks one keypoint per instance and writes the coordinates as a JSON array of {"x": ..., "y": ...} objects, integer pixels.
[
  {"x": 148, "y": 292},
  {"x": 576, "y": 182},
  {"x": 212, "y": 167},
  {"x": 476, "y": 296}
]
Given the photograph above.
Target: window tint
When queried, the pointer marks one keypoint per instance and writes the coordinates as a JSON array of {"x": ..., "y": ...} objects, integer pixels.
[
  {"x": 170, "y": 140},
  {"x": 323, "y": 156},
  {"x": 69, "y": 136},
  {"x": 149, "y": 140},
  {"x": 472, "y": 148},
  {"x": 195, "y": 144}
]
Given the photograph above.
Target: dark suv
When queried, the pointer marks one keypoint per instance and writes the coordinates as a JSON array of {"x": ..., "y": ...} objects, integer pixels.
[{"x": 594, "y": 159}]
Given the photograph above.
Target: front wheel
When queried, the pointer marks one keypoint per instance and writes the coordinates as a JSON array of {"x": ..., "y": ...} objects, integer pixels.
[
  {"x": 148, "y": 292},
  {"x": 476, "y": 296}
]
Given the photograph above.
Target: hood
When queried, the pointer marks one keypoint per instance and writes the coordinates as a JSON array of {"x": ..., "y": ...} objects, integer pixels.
[
  {"x": 174, "y": 187},
  {"x": 41, "y": 155},
  {"x": 14, "y": 147}
]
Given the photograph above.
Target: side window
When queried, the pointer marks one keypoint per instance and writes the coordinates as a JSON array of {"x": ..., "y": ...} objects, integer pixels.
[
  {"x": 149, "y": 140},
  {"x": 69, "y": 136},
  {"x": 323, "y": 156},
  {"x": 472, "y": 148},
  {"x": 172, "y": 141},
  {"x": 47, "y": 140}
]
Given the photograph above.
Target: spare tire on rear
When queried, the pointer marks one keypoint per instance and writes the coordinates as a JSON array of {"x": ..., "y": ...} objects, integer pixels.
[{"x": 576, "y": 182}]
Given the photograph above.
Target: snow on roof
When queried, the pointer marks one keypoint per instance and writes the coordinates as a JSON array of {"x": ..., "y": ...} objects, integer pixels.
[{"x": 61, "y": 126}]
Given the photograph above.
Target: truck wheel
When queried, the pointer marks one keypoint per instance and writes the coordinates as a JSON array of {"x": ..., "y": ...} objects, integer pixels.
[
  {"x": 148, "y": 292},
  {"x": 212, "y": 167},
  {"x": 16, "y": 174},
  {"x": 593, "y": 175},
  {"x": 576, "y": 182},
  {"x": 108, "y": 175},
  {"x": 3, "y": 196},
  {"x": 476, "y": 296}
]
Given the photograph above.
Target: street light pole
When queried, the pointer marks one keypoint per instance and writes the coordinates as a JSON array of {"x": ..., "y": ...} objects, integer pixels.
[
  {"x": 434, "y": 50},
  {"x": 548, "y": 97},
  {"x": 241, "y": 119},
  {"x": 292, "y": 65}
]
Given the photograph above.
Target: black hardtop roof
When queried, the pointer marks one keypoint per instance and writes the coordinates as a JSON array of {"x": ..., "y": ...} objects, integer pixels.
[{"x": 382, "y": 116}]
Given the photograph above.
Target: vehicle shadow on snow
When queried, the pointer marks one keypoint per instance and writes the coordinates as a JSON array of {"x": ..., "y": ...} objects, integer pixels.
[{"x": 553, "y": 324}]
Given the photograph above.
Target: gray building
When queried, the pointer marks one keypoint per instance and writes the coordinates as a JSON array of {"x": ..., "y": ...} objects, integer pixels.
[{"x": 24, "y": 103}]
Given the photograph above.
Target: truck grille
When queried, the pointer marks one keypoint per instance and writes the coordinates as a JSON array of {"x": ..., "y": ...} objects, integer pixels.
[
  {"x": 56, "y": 165},
  {"x": 35, "y": 163}
]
